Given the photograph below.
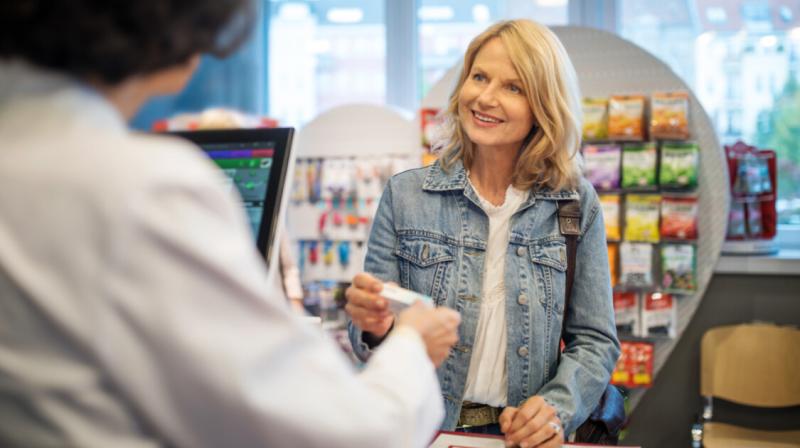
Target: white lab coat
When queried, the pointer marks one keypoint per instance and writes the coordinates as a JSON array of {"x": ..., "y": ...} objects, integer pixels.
[{"x": 135, "y": 311}]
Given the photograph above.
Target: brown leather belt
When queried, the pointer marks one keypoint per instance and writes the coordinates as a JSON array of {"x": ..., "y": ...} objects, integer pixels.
[{"x": 476, "y": 414}]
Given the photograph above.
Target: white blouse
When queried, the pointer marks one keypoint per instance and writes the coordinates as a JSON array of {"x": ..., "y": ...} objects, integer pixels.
[{"x": 487, "y": 380}]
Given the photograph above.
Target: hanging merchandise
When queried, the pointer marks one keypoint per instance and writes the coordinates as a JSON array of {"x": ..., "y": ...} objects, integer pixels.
[
  {"x": 601, "y": 165},
  {"x": 610, "y": 204},
  {"x": 634, "y": 367},
  {"x": 679, "y": 165},
  {"x": 626, "y": 312},
  {"x": 642, "y": 218},
  {"x": 641, "y": 355},
  {"x": 737, "y": 226},
  {"x": 679, "y": 217},
  {"x": 755, "y": 219},
  {"x": 344, "y": 253},
  {"x": 299, "y": 183},
  {"x": 753, "y": 216},
  {"x": 658, "y": 315},
  {"x": 327, "y": 252},
  {"x": 639, "y": 166},
  {"x": 313, "y": 252},
  {"x": 626, "y": 117},
  {"x": 595, "y": 119},
  {"x": 313, "y": 172},
  {"x": 636, "y": 265},
  {"x": 621, "y": 376},
  {"x": 679, "y": 268},
  {"x": 613, "y": 262},
  {"x": 669, "y": 115}
]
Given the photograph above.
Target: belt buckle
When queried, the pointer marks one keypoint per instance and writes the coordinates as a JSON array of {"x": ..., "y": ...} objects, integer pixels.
[{"x": 473, "y": 414}]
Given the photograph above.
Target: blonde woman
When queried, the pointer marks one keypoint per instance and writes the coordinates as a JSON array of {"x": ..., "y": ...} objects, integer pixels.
[{"x": 478, "y": 232}]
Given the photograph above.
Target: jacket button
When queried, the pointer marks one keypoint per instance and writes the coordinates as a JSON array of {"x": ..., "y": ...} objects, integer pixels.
[
  {"x": 520, "y": 251},
  {"x": 521, "y": 299},
  {"x": 522, "y": 351}
]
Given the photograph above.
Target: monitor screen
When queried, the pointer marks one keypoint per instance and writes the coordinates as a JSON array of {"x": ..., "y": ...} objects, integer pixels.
[{"x": 254, "y": 162}]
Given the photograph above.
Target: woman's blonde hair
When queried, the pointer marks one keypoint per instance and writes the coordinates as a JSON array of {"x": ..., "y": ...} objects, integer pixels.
[{"x": 549, "y": 157}]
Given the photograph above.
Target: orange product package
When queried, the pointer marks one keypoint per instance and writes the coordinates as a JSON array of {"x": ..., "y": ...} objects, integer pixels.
[
  {"x": 626, "y": 117},
  {"x": 613, "y": 256},
  {"x": 669, "y": 115}
]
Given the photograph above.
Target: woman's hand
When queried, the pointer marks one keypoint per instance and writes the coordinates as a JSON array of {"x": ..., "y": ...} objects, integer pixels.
[
  {"x": 368, "y": 310},
  {"x": 534, "y": 424}
]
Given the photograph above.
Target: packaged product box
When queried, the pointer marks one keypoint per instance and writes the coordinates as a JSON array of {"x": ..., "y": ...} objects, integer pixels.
[
  {"x": 595, "y": 119},
  {"x": 610, "y": 205},
  {"x": 636, "y": 265},
  {"x": 642, "y": 213},
  {"x": 679, "y": 217},
  {"x": 634, "y": 367},
  {"x": 429, "y": 121},
  {"x": 659, "y": 315},
  {"x": 669, "y": 115},
  {"x": 602, "y": 165},
  {"x": 641, "y": 364},
  {"x": 679, "y": 268},
  {"x": 679, "y": 165},
  {"x": 626, "y": 117},
  {"x": 639, "y": 166},
  {"x": 613, "y": 260},
  {"x": 621, "y": 376},
  {"x": 626, "y": 313}
]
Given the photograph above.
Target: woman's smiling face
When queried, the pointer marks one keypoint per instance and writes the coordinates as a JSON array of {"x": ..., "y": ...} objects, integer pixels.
[{"x": 492, "y": 106}]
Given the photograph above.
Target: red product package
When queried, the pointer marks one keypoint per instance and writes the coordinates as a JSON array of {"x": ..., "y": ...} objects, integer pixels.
[
  {"x": 429, "y": 121},
  {"x": 626, "y": 312},
  {"x": 634, "y": 367},
  {"x": 621, "y": 376},
  {"x": 642, "y": 364},
  {"x": 679, "y": 217}
]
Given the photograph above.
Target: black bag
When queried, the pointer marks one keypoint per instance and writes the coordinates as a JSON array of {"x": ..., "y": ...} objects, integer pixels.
[{"x": 605, "y": 422}]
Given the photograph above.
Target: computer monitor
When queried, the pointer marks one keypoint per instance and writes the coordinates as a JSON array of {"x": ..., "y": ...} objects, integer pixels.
[{"x": 255, "y": 162}]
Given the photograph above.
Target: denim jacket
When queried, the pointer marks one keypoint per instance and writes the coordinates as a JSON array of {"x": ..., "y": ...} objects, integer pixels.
[{"x": 430, "y": 235}]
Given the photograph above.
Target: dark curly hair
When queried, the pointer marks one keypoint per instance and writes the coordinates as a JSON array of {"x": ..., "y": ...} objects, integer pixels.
[{"x": 111, "y": 40}]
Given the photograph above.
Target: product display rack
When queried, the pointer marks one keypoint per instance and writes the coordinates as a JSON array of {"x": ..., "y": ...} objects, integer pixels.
[{"x": 328, "y": 222}]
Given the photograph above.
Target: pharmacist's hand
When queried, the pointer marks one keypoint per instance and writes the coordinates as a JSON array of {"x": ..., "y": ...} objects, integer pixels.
[
  {"x": 534, "y": 424},
  {"x": 368, "y": 310},
  {"x": 437, "y": 326}
]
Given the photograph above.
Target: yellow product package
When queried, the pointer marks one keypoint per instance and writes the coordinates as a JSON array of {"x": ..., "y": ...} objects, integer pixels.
[
  {"x": 642, "y": 218},
  {"x": 610, "y": 204},
  {"x": 595, "y": 119}
]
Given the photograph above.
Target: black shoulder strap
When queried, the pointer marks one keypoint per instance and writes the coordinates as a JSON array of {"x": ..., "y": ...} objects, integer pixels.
[{"x": 569, "y": 223}]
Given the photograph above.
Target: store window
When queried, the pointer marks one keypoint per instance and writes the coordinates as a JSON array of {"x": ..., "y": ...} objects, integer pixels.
[
  {"x": 447, "y": 26},
  {"x": 237, "y": 82},
  {"x": 742, "y": 59},
  {"x": 324, "y": 53}
]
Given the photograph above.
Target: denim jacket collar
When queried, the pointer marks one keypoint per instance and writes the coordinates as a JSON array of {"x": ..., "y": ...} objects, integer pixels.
[{"x": 437, "y": 179}]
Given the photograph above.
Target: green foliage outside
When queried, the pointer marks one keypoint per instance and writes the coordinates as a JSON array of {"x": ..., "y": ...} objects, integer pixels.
[{"x": 780, "y": 130}]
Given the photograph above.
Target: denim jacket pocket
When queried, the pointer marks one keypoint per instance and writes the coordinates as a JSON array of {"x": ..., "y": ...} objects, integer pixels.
[
  {"x": 424, "y": 264},
  {"x": 550, "y": 262}
]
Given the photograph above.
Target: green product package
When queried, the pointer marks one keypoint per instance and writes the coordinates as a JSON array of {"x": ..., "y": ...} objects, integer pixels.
[
  {"x": 679, "y": 268},
  {"x": 639, "y": 165},
  {"x": 679, "y": 165}
]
